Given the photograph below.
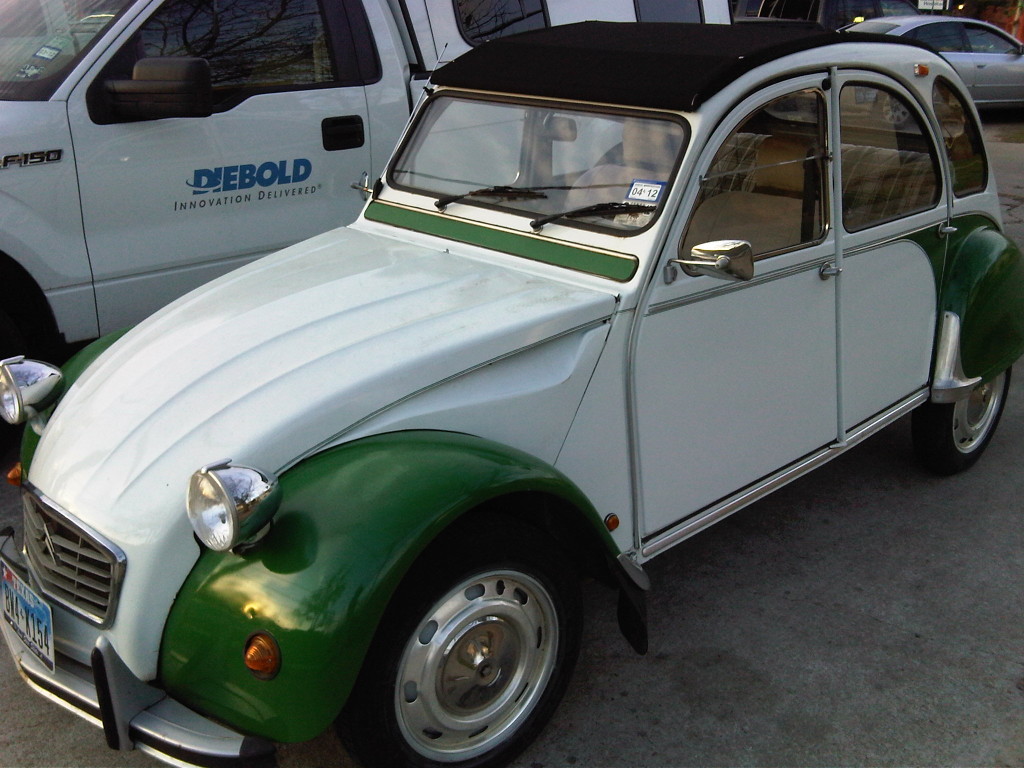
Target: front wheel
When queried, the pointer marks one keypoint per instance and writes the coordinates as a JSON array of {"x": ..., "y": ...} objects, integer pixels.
[
  {"x": 949, "y": 438},
  {"x": 472, "y": 656}
]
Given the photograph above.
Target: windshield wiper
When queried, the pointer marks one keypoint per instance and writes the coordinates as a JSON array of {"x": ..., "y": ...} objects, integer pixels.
[
  {"x": 500, "y": 191},
  {"x": 599, "y": 209}
]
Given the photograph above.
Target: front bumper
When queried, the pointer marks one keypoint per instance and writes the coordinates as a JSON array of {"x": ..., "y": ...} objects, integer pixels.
[{"x": 133, "y": 715}]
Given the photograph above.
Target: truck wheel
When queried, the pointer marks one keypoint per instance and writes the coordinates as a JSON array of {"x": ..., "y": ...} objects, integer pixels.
[
  {"x": 12, "y": 342},
  {"x": 949, "y": 438},
  {"x": 472, "y": 657}
]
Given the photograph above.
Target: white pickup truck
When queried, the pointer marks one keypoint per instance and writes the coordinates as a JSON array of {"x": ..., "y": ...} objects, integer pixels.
[{"x": 147, "y": 146}]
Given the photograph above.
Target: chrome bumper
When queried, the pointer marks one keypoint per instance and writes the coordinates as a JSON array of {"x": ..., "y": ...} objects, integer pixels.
[{"x": 132, "y": 714}]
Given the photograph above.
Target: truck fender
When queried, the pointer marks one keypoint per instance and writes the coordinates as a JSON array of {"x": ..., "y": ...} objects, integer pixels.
[
  {"x": 352, "y": 521},
  {"x": 984, "y": 287}
]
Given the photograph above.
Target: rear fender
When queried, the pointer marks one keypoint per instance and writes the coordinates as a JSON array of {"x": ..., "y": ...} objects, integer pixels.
[{"x": 984, "y": 287}]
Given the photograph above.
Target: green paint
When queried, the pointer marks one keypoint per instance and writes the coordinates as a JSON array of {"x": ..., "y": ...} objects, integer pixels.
[
  {"x": 351, "y": 522},
  {"x": 71, "y": 370},
  {"x": 984, "y": 285},
  {"x": 614, "y": 267}
]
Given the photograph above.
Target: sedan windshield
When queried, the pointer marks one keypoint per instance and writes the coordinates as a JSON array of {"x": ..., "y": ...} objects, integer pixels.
[
  {"x": 41, "y": 40},
  {"x": 601, "y": 170}
]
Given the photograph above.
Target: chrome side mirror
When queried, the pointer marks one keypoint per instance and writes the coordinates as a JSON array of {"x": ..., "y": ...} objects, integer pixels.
[{"x": 725, "y": 259}]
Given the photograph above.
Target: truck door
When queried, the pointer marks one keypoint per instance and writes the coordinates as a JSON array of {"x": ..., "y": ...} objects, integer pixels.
[{"x": 168, "y": 204}]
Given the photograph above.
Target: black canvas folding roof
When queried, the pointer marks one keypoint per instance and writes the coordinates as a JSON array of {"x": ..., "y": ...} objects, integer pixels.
[{"x": 660, "y": 65}]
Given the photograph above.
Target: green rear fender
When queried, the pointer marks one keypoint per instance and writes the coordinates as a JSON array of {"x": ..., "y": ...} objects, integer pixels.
[
  {"x": 984, "y": 286},
  {"x": 351, "y": 522}
]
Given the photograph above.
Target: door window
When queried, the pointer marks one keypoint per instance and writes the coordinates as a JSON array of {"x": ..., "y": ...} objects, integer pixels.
[
  {"x": 962, "y": 139},
  {"x": 765, "y": 183},
  {"x": 255, "y": 46},
  {"x": 986, "y": 41},
  {"x": 889, "y": 166},
  {"x": 482, "y": 20}
]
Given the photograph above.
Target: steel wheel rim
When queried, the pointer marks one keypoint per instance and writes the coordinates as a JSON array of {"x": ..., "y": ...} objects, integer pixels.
[
  {"x": 975, "y": 415},
  {"x": 476, "y": 666}
]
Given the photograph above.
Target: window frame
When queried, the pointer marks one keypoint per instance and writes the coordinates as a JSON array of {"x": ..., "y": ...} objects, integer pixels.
[
  {"x": 824, "y": 175},
  {"x": 924, "y": 124}
]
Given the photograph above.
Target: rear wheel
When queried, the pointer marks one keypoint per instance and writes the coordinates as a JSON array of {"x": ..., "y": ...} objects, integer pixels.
[
  {"x": 949, "y": 438},
  {"x": 472, "y": 656}
]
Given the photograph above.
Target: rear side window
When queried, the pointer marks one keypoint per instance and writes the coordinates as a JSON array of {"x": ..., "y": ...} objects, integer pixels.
[
  {"x": 889, "y": 166},
  {"x": 659, "y": 10},
  {"x": 483, "y": 20},
  {"x": 943, "y": 36},
  {"x": 962, "y": 139}
]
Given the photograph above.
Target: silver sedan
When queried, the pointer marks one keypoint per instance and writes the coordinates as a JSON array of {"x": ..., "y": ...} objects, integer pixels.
[{"x": 990, "y": 61}]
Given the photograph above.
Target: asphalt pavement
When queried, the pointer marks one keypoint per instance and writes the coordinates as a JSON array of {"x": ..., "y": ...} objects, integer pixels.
[{"x": 868, "y": 614}]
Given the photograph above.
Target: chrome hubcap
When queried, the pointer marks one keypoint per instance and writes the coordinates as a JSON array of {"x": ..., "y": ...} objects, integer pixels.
[
  {"x": 477, "y": 666},
  {"x": 974, "y": 416}
]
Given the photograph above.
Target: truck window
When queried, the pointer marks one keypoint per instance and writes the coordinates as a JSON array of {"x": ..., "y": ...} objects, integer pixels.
[
  {"x": 256, "y": 46},
  {"x": 659, "y": 10},
  {"x": 482, "y": 20}
]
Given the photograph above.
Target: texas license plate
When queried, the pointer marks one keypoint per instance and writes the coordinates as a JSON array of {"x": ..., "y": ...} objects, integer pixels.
[{"x": 27, "y": 613}]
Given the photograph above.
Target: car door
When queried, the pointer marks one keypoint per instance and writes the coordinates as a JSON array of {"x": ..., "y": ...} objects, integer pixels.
[
  {"x": 168, "y": 204},
  {"x": 890, "y": 210},
  {"x": 999, "y": 65},
  {"x": 734, "y": 380}
]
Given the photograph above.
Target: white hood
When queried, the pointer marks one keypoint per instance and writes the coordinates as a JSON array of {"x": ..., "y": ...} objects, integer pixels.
[{"x": 265, "y": 364}]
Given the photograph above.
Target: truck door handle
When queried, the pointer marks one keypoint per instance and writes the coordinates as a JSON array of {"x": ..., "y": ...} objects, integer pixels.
[{"x": 342, "y": 132}]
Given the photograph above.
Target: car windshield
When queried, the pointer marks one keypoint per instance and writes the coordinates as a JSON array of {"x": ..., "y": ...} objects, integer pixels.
[
  {"x": 41, "y": 40},
  {"x": 605, "y": 170}
]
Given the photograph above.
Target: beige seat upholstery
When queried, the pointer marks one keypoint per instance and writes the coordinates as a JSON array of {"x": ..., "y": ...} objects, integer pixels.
[
  {"x": 765, "y": 207},
  {"x": 649, "y": 150}
]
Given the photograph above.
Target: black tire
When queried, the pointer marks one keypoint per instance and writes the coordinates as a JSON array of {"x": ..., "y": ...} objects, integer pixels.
[
  {"x": 12, "y": 343},
  {"x": 949, "y": 438},
  {"x": 497, "y": 600}
]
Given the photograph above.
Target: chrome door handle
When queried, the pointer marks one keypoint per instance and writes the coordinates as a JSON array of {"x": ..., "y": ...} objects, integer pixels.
[{"x": 828, "y": 270}]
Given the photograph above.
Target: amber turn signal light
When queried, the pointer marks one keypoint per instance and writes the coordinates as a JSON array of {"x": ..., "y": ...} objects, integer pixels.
[
  {"x": 14, "y": 476},
  {"x": 262, "y": 656}
]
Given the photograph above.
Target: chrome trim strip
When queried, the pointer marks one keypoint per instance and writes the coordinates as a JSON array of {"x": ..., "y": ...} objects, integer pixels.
[
  {"x": 712, "y": 514},
  {"x": 950, "y": 383}
]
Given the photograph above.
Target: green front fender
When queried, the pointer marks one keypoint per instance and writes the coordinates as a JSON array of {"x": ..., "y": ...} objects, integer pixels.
[
  {"x": 351, "y": 522},
  {"x": 984, "y": 286}
]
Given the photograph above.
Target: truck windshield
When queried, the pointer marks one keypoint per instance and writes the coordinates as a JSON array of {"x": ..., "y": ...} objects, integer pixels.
[
  {"x": 41, "y": 40},
  {"x": 598, "y": 169}
]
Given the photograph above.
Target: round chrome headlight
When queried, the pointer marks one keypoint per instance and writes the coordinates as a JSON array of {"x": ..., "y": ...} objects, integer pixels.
[
  {"x": 26, "y": 387},
  {"x": 228, "y": 504}
]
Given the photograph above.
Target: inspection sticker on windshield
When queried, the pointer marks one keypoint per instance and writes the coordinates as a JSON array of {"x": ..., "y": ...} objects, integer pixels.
[
  {"x": 47, "y": 52},
  {"x": 28, "y": 615},
  {"x": 645, "y": 191}
]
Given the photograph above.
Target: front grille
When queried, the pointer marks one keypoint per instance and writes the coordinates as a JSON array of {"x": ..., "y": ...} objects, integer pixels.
[{"x": 71, "y": 563}]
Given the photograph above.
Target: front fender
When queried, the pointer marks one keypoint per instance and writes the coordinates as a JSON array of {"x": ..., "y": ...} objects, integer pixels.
[
  {"x": 70, "y": 372},
  {"x": 351, "y": 522},
  {"x": 984, "y": 286}
]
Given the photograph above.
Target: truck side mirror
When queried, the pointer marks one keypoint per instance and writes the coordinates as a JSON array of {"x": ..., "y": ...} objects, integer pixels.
[{"x": 162, "y": 87}]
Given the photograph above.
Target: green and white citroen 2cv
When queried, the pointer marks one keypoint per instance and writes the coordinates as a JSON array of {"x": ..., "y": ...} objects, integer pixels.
[{"x": 618, "y": 282}]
